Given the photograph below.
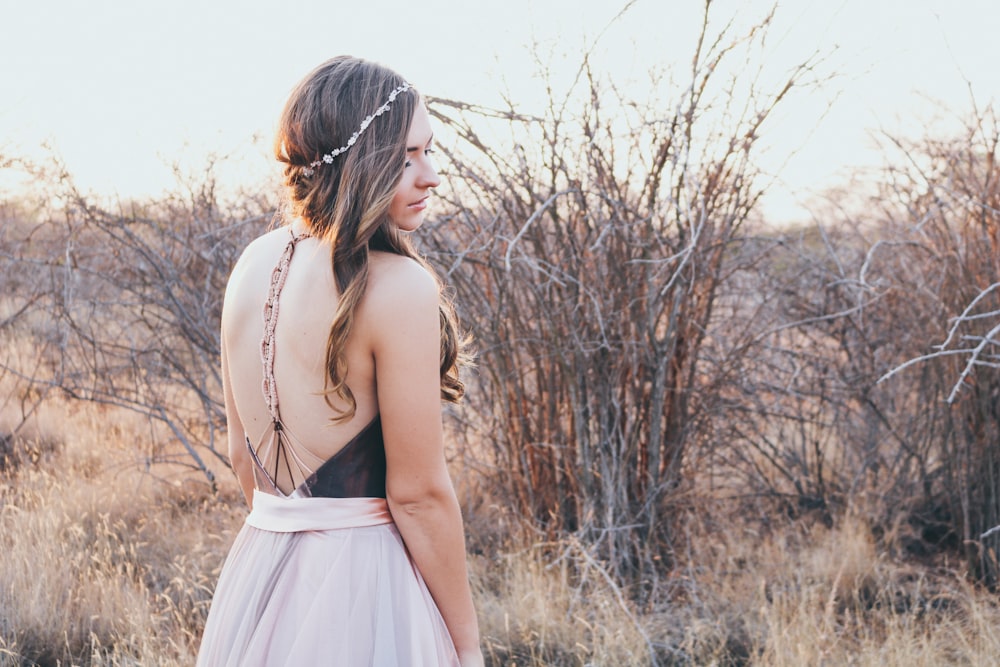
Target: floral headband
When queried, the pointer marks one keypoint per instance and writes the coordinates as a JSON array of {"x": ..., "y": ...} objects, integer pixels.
[{"x": 328, "y": 158}]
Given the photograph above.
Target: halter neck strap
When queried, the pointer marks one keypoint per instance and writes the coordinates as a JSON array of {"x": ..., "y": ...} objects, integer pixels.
[{"x": 278, "y": 276}]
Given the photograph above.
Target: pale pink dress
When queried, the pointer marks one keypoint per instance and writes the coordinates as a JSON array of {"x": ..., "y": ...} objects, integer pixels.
[{"x": 315, "y": 580}]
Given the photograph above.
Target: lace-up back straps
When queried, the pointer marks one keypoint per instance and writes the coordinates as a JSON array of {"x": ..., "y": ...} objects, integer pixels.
[{"x": 278, "y": 276}]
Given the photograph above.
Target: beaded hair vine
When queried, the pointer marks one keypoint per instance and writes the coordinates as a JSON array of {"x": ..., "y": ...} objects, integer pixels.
[{"x": 328, "y": 158}]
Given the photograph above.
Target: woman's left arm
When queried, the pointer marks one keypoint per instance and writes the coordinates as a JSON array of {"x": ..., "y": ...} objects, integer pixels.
[{"x": 239, "y": 457}]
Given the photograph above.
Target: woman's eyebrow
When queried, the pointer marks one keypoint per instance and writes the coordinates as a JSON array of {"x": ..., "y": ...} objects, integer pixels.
[{"x": 411, "y": 149}]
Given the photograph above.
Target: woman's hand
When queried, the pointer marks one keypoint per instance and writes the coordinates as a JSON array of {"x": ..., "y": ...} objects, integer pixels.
[{"x": 472, "y": 659}]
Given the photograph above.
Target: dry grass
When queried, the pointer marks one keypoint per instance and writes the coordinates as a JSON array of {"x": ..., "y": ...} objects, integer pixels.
[
  {"x": 547, "y": 604},
  {"x": 106, "y": 564},
  {"x": 808, "y": 594},
  {"x": 103, "y": 564}
]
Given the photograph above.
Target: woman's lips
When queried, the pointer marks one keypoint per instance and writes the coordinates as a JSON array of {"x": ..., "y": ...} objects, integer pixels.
[{"x": 419, "y": 205}]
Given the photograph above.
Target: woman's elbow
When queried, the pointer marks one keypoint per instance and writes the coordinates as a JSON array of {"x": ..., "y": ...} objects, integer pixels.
[{"x": 415, "y": 499}]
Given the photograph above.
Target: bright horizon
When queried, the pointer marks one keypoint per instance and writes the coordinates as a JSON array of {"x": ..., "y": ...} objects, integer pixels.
[{"x": 120, "y": 91}]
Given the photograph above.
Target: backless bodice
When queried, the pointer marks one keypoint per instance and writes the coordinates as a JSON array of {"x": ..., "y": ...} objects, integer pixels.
[{"x": 357, "y": 470}]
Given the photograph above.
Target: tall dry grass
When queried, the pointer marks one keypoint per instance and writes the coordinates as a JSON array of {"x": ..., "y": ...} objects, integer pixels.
[{"x": 106, "y": 563}]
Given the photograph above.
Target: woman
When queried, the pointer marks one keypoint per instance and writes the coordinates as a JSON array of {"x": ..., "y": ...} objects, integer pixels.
[{"x": 353, "y": 552}]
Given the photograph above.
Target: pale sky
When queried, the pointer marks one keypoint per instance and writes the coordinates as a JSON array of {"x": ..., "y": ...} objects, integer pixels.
[{"x": 120, "y": 89}]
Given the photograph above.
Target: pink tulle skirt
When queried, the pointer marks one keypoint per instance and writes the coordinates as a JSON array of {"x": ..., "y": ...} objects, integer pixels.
[{"x": 322, "y": 581}]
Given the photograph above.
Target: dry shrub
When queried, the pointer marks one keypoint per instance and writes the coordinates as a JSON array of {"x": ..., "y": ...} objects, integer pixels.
[
  {"x": 122, "y": 305},
  {"x": 586, "y": 258},
  {"x": 945, "y": 205},
  {"x": 910, "y": 280}
]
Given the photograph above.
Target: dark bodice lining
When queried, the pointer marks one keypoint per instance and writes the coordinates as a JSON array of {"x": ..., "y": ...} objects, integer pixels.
[{"x": 356, "y": 471}]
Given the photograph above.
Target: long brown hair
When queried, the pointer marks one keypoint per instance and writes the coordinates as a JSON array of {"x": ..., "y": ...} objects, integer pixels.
[{"x": 346, "y": 203}]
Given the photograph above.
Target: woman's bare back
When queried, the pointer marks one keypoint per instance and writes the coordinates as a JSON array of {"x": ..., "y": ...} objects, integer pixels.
[{"x": 306, "y": 304}]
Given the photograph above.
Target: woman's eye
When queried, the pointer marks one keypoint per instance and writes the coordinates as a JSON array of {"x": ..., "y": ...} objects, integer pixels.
[{"x": 427, "y": 151}]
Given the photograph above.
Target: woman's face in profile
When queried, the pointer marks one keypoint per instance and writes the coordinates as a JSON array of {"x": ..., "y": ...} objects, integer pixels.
[{"x": 419, "y": 174}]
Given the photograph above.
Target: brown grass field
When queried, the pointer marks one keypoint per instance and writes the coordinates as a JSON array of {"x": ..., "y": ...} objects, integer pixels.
[{"x": 109, "y": 563}]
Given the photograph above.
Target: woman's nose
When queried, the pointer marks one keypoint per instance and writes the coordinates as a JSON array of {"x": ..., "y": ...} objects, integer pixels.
[{"x": 429, "y": 177}]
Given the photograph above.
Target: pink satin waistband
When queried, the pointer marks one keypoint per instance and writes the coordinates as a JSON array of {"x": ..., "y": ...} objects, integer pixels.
[{"x": 292, "y": 515}]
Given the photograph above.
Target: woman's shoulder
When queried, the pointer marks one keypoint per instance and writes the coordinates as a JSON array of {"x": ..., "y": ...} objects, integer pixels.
[
  {"x": 265, "y": 249},
  {"x": 400, "y": 275},
  {"x": 253, "y": 269},
  {"x": 397, "y": 284},
  {"x": 268, "y": 244}
]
